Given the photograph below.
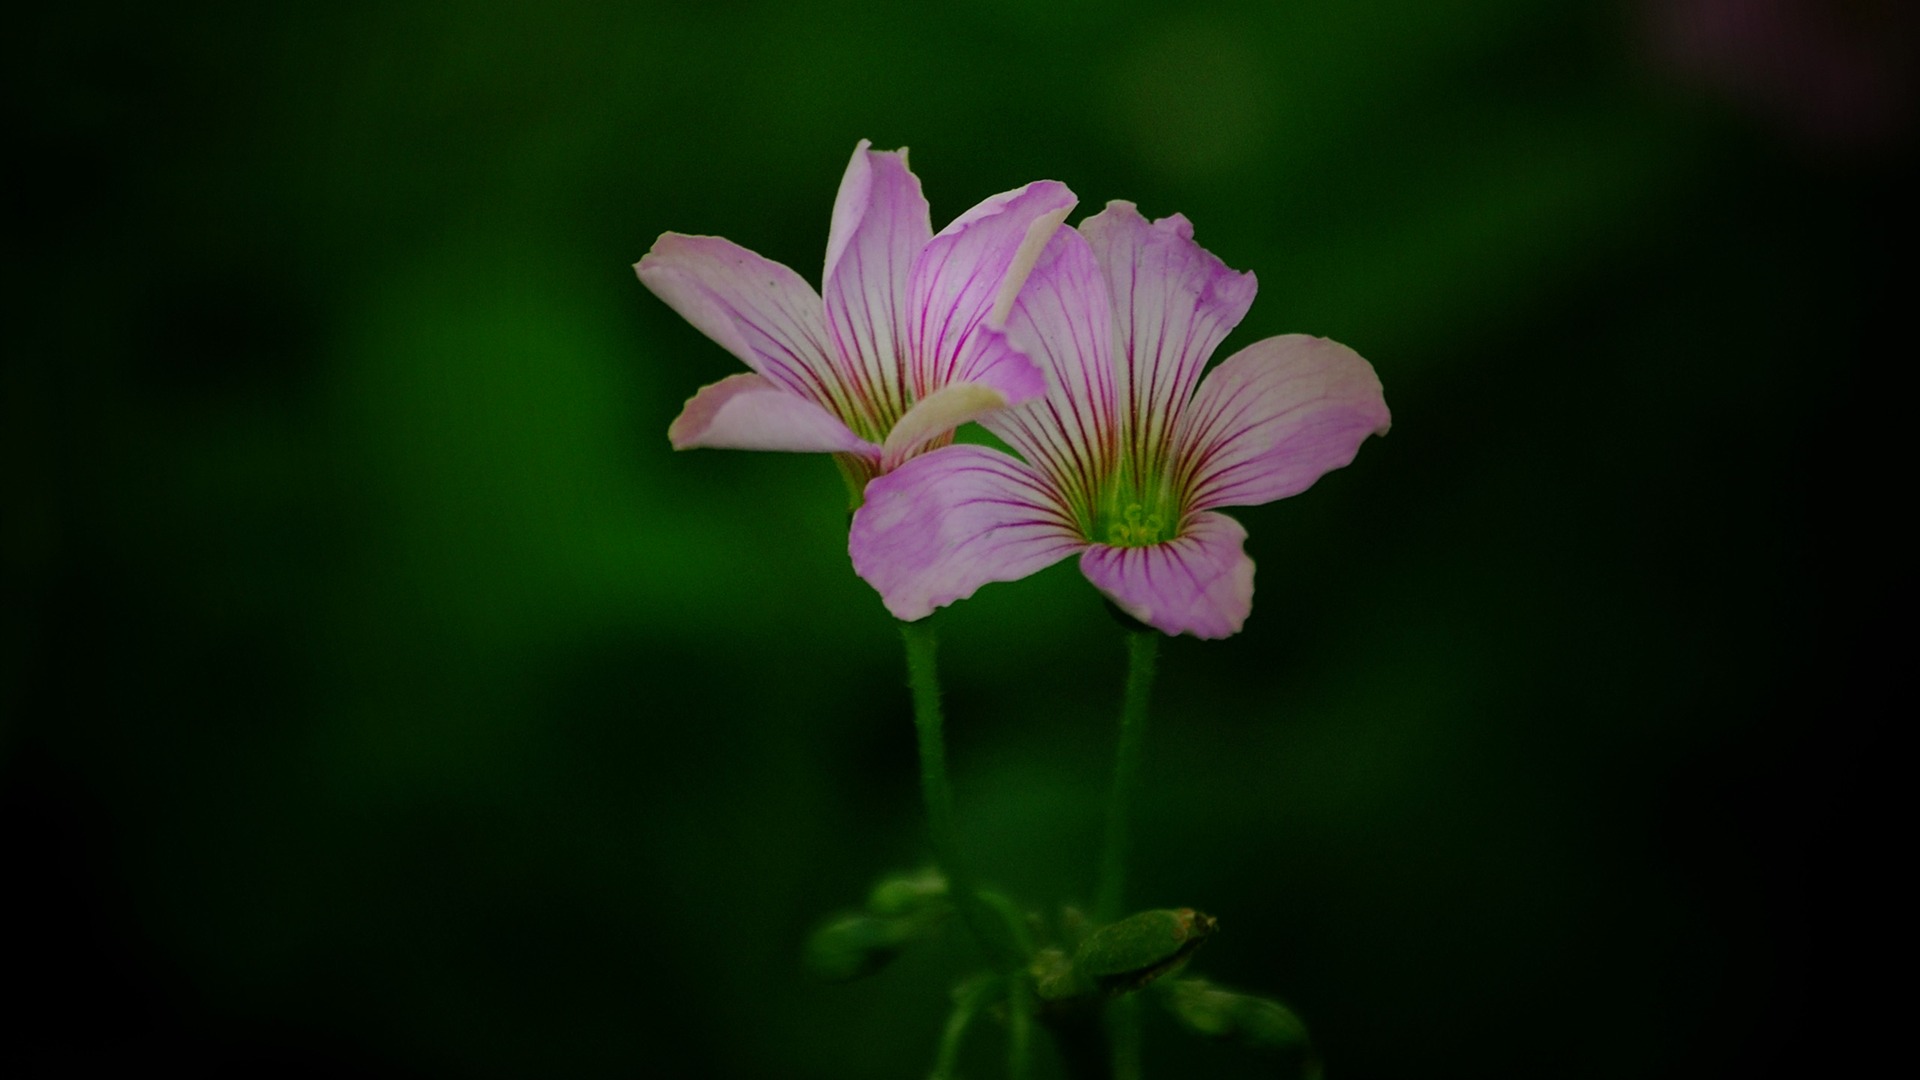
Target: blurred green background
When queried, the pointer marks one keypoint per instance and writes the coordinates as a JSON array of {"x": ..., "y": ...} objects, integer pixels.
[{"x": 382, "y": 696}]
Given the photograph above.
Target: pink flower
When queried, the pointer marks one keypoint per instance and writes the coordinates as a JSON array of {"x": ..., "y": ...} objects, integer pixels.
[
  {"x": 907, "y": 344},
  {"x": 1126, "y": 463}
]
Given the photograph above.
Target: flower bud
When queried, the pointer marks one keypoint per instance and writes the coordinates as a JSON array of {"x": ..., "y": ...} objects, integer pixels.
[
  {"x": 1126, "y": 955},
  {"x": 912, "y": 893},
  {"x": 1259, "y": 1024},
  {"x": 853, "y": 946}
]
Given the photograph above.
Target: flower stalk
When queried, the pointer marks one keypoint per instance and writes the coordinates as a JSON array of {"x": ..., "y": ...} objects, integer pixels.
[
  {"x": 930, "y": 725},
  {"x": 1143, "y": 647},
  {"x": 989, "y": 926},
  {"x": 1123, "y": 1013}
]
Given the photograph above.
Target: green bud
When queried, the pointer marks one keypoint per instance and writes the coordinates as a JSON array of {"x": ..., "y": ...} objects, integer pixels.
[
  {"x": 1269, "y": 1025},
  {"x": 1074, "y": 926},
  {"x": 910, "y": 893},
  {"x": 853, "y": 946},
  {"x": 1259, "y": 1024},
  {"x": 1054, "y": 977},
  {"x": 1131, "y": 953},
  {"x": 1201, "y": 1008}
]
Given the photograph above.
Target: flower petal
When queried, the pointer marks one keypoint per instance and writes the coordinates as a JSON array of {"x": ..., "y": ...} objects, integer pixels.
[
  {"x": 1063, "y": 319},
  {"x": 935, "y": 415},
  {"x": 757, "y": 309},
  {"x": 1273, "y": 418},
  {"x": 1200, "y": 583},
  {"x": 993, "y": 360},
  {"x": 944, "y": 524},
  {"x": 998, "y": 376},
  {"x": 749, "y": 412},
  {"x": 880, "y": 225},
  {"x": 1173, "y": 302},
  {"x": 968, "y": 276}
]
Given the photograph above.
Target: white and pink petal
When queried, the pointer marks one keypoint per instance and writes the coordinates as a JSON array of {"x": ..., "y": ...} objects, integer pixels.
[
  {"x": 755, "y": 308},
  {"x": 1063, "y": 320},
  {"x": 880, "y": 225},
  {"x": 1200, "y": 583},
  {"x": 968, "y": 275},
  {"x": 1273, "y": 418},
  {"x": 1173, "y": 302},
  {"x": 1002, "y": 376},
  {"x": 943, "y": 524},
  {"x": 749, "y": 412},
  {"x": 934, "y": 416}
]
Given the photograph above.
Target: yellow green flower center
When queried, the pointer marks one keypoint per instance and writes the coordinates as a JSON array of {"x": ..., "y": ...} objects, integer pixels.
[
  {"x": 1135, "y": 512},
  {"x": 1135, "y": 527}
]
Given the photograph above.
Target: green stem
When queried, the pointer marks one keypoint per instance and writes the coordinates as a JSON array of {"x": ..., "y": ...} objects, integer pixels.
[
  {"x": 994, "y": 923},
  {"x": 1019, "y": 1026},
  {"x": 1142, "y": 648},
  {"x": 1123, "y": 1014},
  {"x": 924, "y": 677},
  {"x": 967, "y": 1002},
  {"x": 988, "y": 926}
]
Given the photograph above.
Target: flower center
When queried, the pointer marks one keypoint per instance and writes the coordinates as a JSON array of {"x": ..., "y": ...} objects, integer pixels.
[
  {"x": 1136, "y": 512},
  {"x": 1135, "y": 527}
]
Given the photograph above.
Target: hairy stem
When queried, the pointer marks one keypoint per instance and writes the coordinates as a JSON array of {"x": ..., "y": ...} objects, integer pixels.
[
  {"x": 1143, "y": 647},
  {"x": 1019, "y": 1026},
  {"x": 967, "y": 1002},
  {"x": 1123, "y": 1014},
  {"x": 996, "y": 927},
  {"x": 923, "y": 676},
  {"x": 989, "y": 927}
]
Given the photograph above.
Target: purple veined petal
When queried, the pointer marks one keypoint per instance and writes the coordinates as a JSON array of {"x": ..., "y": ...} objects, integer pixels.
[
  {"x": 992, "y": 359},
  {"x": 755, "y": 308},
  {"x": 1063, "y": 320},
  {"x": 1200, "y": 583},
  {"x": 935, "y": 415},
  {"x": 940, "y": 526},
  {"x": 969, "y": 273},
  {"x": 880, "y": 225},
  {"x": 1273, "y": 418},
  {"x": 994, "y": 376},
  {"x": 1173, "y": 302},
  {"x": 749, "y": 412}
]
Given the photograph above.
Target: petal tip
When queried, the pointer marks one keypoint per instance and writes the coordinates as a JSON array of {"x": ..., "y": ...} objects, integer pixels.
[
  {"x": 1177, "y": 224},
  {"x": 1039, "y": 231},
  {"x": 685, "y": 431}
]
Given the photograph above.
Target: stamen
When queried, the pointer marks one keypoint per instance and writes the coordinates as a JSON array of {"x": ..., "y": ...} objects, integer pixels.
[{"x": 1137, "y": 528}]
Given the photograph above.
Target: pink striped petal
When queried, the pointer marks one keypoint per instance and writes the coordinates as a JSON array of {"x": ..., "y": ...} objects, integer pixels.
[
  {"x": 944, "y": 524},
  {"x": 755, "y": 308},
  {"x": 1063, "y": 319},
  {"x": 997, "y": 377},
  {"x": 935, "y": 415},
  {"x": 748, "y": 412},
  {"x": 880, "y": 225},
  {"x": 1173, "y": 302},
  {"x": 993, "y": 360},
  {"x": 968, "y": 275},
  {"x": 1199, "y": 584},
  {"x": 1275, "y": 417}
]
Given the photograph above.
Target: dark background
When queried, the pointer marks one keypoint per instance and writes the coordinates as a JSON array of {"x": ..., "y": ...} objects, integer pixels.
[{"x": 382, "y": 696}]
